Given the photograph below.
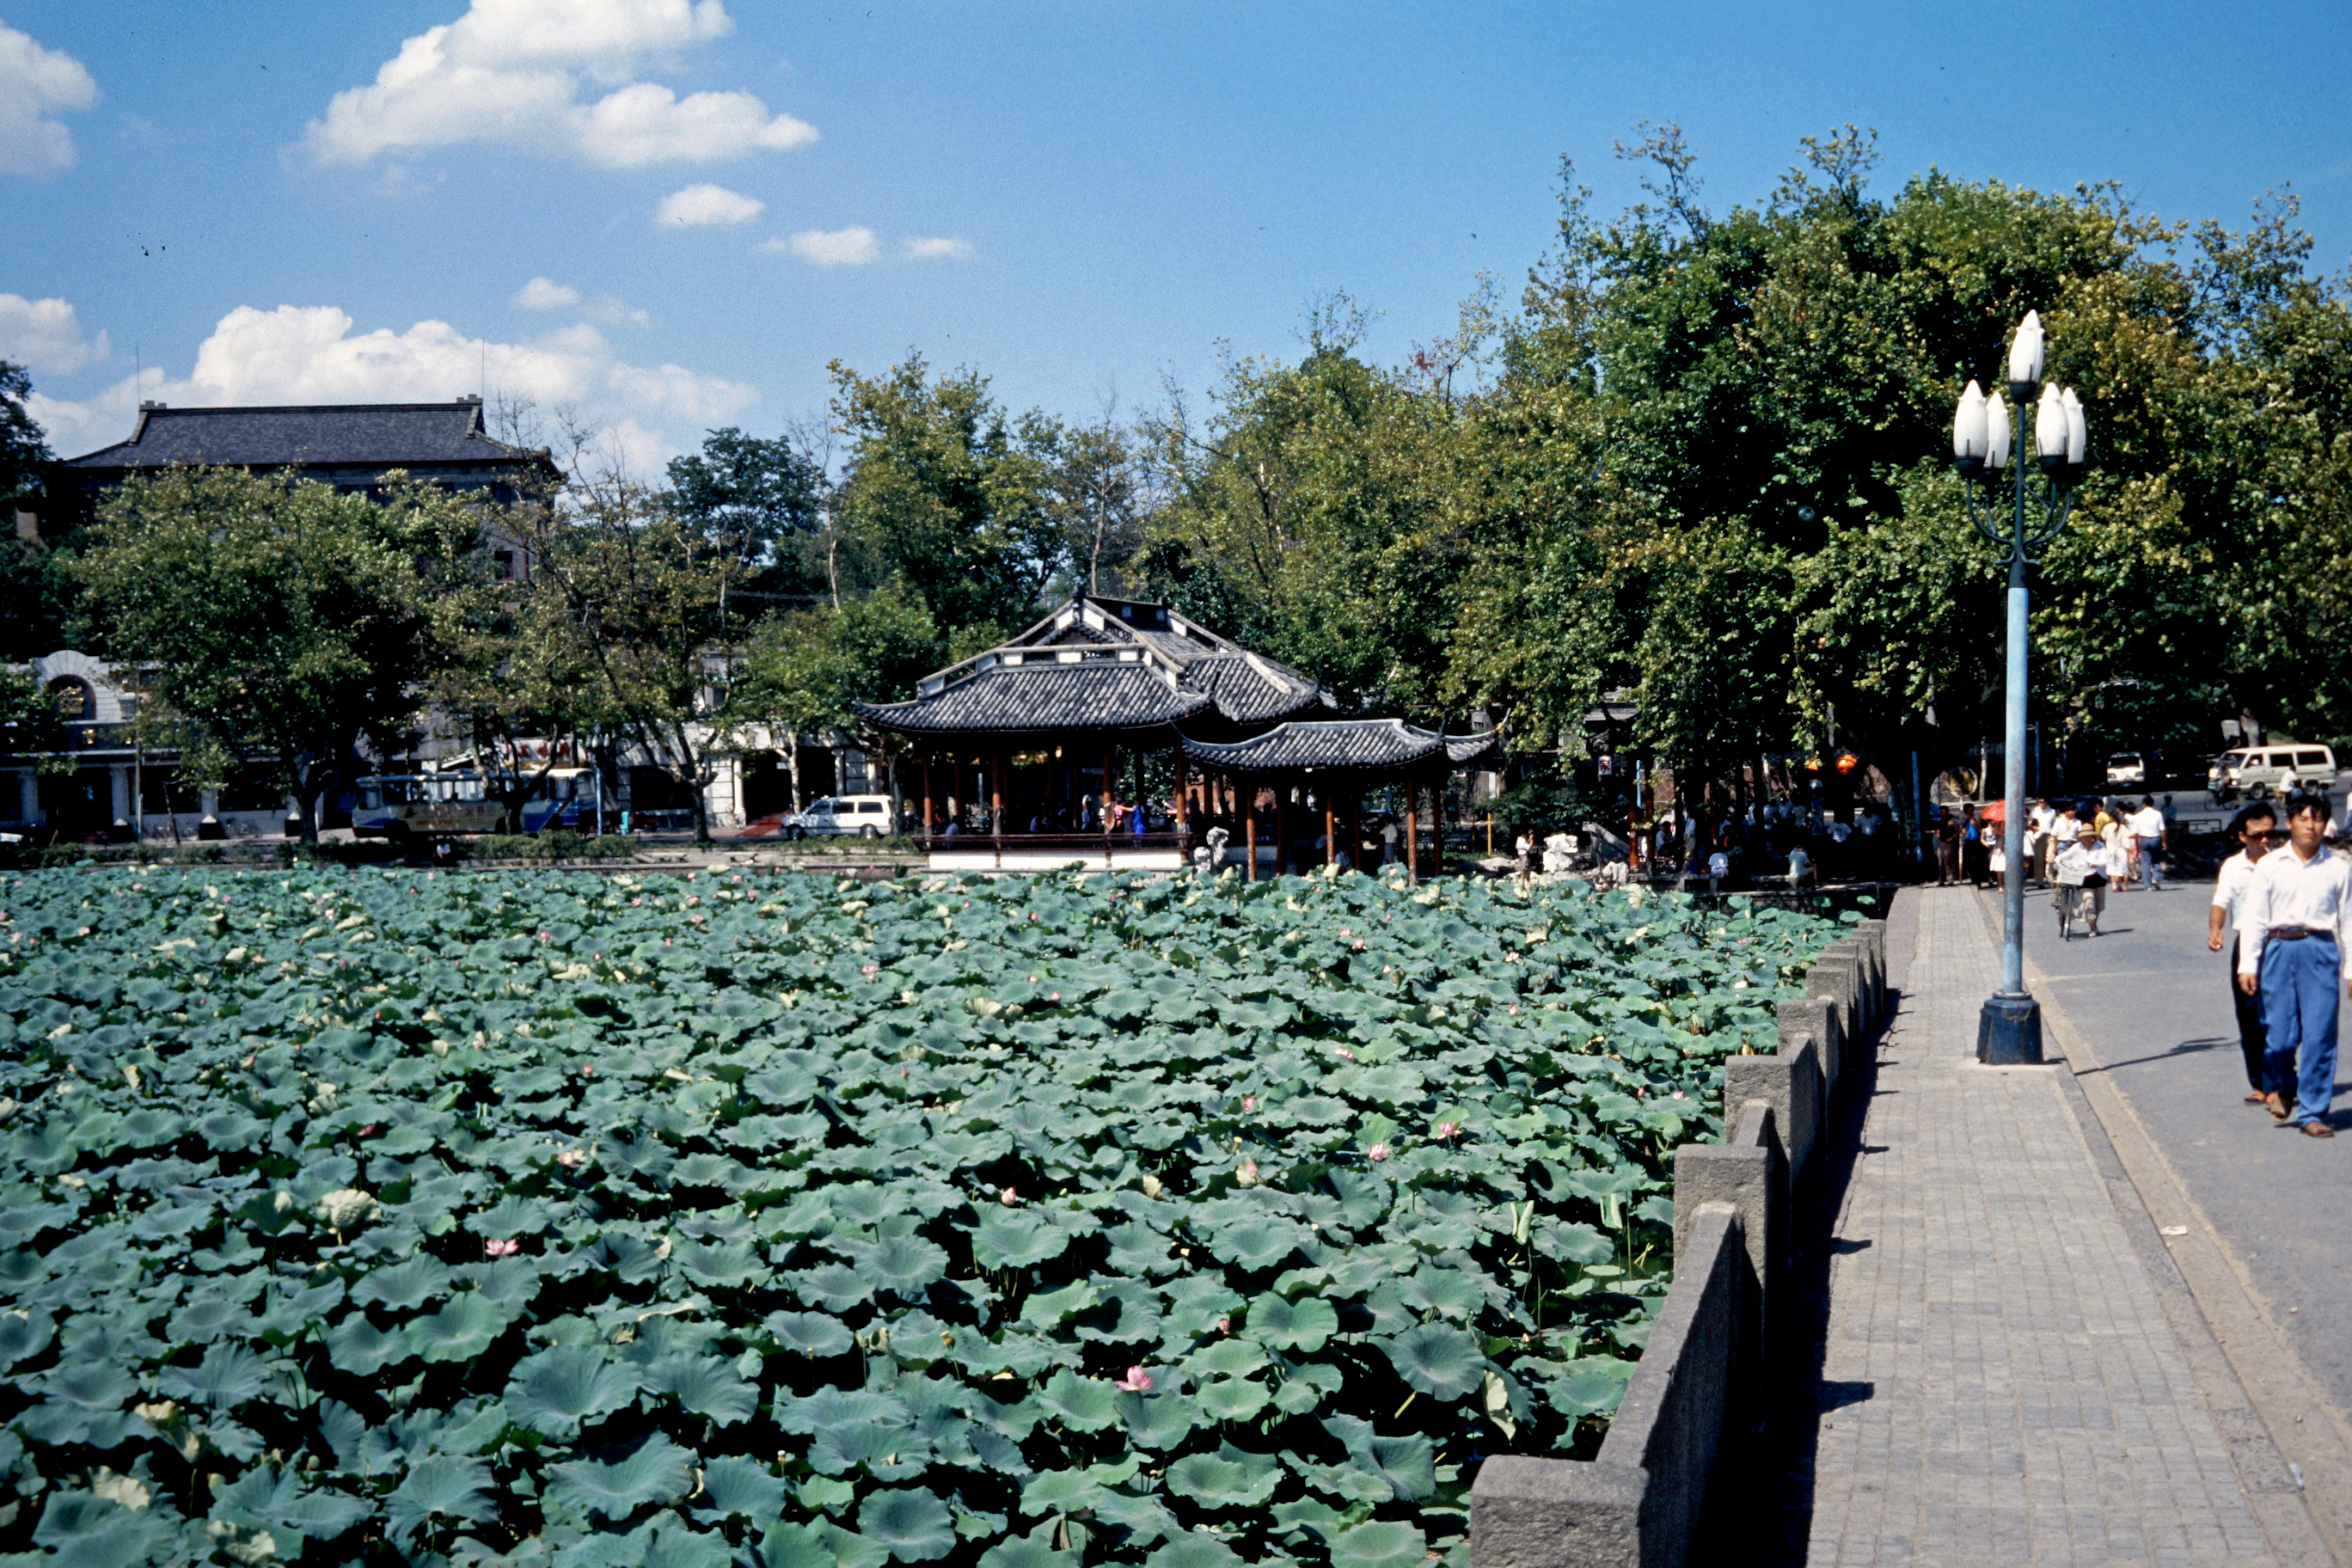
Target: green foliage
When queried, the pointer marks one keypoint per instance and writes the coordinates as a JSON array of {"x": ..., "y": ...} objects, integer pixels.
[
  {"x": 396, "y": 1215},
  {"x": 23, "y": 452},
  {"x": 287, "y": 621}
]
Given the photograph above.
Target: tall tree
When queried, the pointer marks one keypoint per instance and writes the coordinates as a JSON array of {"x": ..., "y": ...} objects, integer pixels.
[
  {"x": 800, "y": 673},
  {"x": 946, "y": 491},
  {"x": 287, "y": 621},
  {"x": 761, "y": 499}
]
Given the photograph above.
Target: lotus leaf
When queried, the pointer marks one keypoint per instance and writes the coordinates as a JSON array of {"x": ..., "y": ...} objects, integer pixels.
[
  {"x": 1301, "y": 1325},
  {"x": 1439, "y": 1361},
  {"x": 741, "y": 1488},
  {"x": 83, "y": 1531},
  {"x": 658, "y": 1470},
  {"x": 408, "y": 1284},
  {"x": 913, "y": 1525},
  {"x": 556, "y": 1390},
  {"x": 1191, "y": 1164},
  {"x": 1379, "y": 1545},
  {"x": 1080, "y": 1404},
  {"x": 810, "y": 1333},
  {"x": 705, "y": 1385},
  {"x": 443, "y": 1486},
  {"x": 458, "y": 1331}
]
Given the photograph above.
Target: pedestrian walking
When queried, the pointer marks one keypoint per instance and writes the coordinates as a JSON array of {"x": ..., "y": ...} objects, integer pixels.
[
  {"x": 1972, "y": 845},
  {"x": 2149, "y": 829},
  {"x": 2252, "y": 829},
  {"x": 2292, "y": 928},
  {"x": 1948, "y": 848},
  {"x": 2081, "y": 871}
]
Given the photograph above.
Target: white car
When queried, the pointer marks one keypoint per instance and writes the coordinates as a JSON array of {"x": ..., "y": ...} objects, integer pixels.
[
  {"x": 2126, "y": 768},
  {"x": 2264, "y": 771},
  {"x": 863, "y": 815}
]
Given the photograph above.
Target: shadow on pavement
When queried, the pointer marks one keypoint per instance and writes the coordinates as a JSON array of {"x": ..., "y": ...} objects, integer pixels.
[
  {"x": 2186, "y": 1048},
  {"x": 1760, "y": 1511}
]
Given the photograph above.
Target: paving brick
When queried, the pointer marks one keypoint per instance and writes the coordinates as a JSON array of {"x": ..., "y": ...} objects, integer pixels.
[{"x": 2029, "y": 1403}]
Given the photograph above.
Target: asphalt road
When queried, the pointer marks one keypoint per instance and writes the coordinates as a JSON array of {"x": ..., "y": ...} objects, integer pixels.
[{"x": 2152, "y": 1005}]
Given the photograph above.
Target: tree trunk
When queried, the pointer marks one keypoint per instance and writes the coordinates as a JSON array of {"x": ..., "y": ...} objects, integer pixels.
[{"x": 793, "y": 766}]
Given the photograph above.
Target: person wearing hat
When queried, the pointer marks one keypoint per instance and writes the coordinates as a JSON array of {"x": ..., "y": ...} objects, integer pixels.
[{"x": 2086, "y": 864}]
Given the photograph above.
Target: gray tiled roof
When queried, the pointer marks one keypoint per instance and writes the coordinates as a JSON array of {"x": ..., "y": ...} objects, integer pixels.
[
  {"x": 1355, "y": 745},
  {"x": 322, "y": 435},
  {"x": 1039, "y": 697},
  {"x": 1102, "y": 664}
]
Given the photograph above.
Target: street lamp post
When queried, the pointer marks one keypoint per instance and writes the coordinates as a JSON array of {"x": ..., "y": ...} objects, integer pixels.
[{"x": 2008, "y": 1030}]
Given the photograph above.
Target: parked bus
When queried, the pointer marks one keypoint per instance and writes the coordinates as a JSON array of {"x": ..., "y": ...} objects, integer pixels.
[{"x": 445, "y": 804}]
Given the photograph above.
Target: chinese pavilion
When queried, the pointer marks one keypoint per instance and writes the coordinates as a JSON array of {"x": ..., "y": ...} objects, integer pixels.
[{"x": 1032, "y": 756}]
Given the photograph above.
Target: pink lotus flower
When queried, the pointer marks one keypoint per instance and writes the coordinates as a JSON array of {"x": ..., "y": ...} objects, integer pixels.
[
  {"x": 1357, "y": 945},
  {"x": 1377, "y": 1152},
  {"x": 1345, "y": 931},
  {"x": 1449, "y": 1129},
  {"x": 1136, "y": 1381},
  {"x": 506, "y": 1248},
  {"x": 870, "y": 969},
  {"x": 573, "y": 1159},
  {"x": 1343, "y": 1053},
  {"x": 1225, "y": 1325},
  {"x": 1008, "y": 1197},
  {"x": 1249, "y": 1102}
]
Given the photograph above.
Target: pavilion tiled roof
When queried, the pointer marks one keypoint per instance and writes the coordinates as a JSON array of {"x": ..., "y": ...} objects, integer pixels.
[
  {"x": 1352, "y": 746},
  {"x": 354, "y": 435},
  {"x": 1102, "y": 664}
]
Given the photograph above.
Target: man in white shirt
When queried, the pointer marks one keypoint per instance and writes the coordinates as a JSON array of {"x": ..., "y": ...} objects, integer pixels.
[
  {"x": 2252, "y": 831},
  {"x": 2148, "y": 826},
  {"x": 2292, "y": 924}
]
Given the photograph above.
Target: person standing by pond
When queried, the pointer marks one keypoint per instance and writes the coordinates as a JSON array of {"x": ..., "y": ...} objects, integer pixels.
[
  {"x": 2293, "y": 924},
  {"x": 2252, "y": 831}
]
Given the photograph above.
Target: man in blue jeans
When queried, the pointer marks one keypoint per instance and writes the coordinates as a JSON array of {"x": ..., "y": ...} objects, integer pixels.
[
  {"x": 2148, "y": 826},
  {"x": 2293, "y": 923}
]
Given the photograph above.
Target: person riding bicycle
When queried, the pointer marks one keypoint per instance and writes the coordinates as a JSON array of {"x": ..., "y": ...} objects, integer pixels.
[{"x": 2082, "y": 870}]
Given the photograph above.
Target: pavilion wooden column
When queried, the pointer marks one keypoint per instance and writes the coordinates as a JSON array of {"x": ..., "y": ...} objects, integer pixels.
[
  {"x": 1356, "y": 828},
  {"x": 1331, "y": 835},
  {"x": 1183, "y": 818},
  {"x": 996, "y": 800},
  {"x": 1281, "y": 825},
  {"x": 1437, "y": 827},
  {"x": 926, "y": 799},
  {"x": 1249, "y": 840},
  {"x": 1411, "y": 831},
  {"x": 1105, "y": 790}
]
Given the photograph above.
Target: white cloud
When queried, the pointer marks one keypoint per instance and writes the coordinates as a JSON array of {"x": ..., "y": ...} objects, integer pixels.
[
  {"x": 697, "y": 207},
  {"x": 44, "y": 336},
  {"x": 939, "y": 249},
  {"x": 36, "y": 83},
  {"x": 512, "y": 73},
  {"x": 298, "y": 354},
  {"x": 829, "y": 248},
  {"x": 544, "y": 294}
]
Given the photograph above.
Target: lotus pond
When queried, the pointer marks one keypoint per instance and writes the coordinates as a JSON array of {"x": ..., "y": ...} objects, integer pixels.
[{"x": 561, "y": 1218}]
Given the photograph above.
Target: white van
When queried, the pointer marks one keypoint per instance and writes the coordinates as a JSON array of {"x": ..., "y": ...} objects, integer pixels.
[
  {"x": 2264, "y": 771},
  {"x": 866, "y": 816}
]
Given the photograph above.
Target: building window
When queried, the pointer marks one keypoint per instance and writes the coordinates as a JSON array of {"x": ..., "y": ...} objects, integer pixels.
[{"x": 505, "y": 565}]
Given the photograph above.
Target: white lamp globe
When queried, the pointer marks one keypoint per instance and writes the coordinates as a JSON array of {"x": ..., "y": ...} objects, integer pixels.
[
  {"x": 2077, "y": 429},
  {"x": 2025, "y": 351},
  {"x": 2050, "y": 425},
  {"x": 1969, "y": 424},
  {"x": 1996, "y": 431}
]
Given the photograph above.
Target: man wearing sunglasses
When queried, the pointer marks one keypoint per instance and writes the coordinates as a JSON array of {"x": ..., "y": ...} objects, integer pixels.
[
  {"x": 2252, "y": 831},
  {"x": 2293, "y": 919}
]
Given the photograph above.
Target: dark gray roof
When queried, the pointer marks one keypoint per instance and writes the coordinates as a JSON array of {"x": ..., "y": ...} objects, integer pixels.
[
  {"x": 1354, "y": 745},
  {"x": 358, "y": 435},
  {"x": 1040, "y": 698},
  {"x": 1102, "y": 664}
]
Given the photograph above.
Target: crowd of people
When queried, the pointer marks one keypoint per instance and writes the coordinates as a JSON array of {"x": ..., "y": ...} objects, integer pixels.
[{"x": 2090, "y": 845}]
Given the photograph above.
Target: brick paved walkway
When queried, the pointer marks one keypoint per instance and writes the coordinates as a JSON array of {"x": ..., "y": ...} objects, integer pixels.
[{"x": 1999, "y": 1382}]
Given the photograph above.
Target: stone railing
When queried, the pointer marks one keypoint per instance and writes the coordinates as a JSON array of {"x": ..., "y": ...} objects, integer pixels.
[{"x": 1637, "y": 1504}]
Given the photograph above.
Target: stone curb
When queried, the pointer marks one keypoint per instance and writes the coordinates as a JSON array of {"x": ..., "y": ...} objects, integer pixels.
[{"x": 1637, "y": 1504}]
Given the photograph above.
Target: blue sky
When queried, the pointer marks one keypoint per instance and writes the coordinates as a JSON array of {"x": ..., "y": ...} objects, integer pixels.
[{"x": 672, "y": 213}]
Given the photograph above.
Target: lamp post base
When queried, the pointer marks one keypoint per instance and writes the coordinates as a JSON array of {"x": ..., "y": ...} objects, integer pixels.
[{"x": 2009, "y": 1032}]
